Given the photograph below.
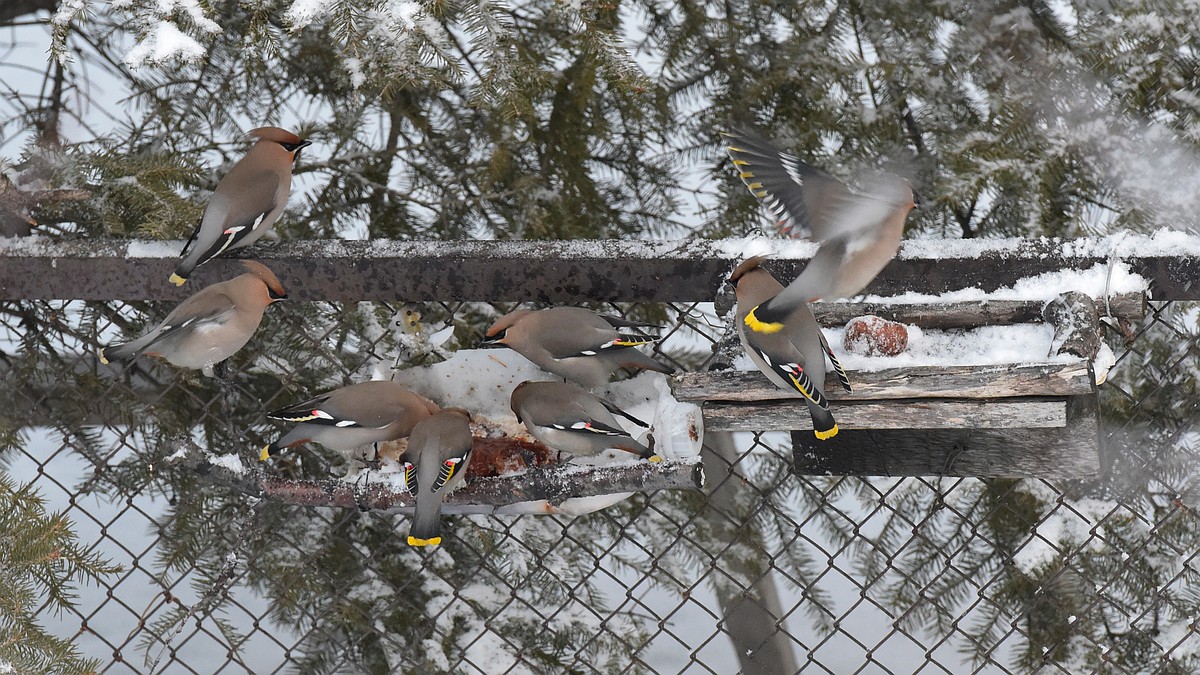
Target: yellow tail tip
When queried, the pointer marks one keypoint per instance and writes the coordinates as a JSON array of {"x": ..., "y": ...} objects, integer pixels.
[
  {"x": 264, "y": 454},
  {"x": 654, "y": 459},
  {"x": 177, "y": 280},
  {"x": 762, "y": 326},
  {"x": 102, "y": 359},
  {"x": 413, "y": 541},
  {"x": 827, "y": 434}
]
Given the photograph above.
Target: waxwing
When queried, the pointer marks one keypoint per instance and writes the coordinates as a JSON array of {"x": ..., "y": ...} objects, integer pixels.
[
  {"x": 574, "y": 343},
  {"x": 247, "y": 201},
  {"x": 211, "y": 325},
  {"x": 435, "y": 463},
  {"x": 859, "y": 233},
  {"x": 566, "y": 418},
  {"x": 793, "y": 358},
  {"x": 343, "y": 420}
]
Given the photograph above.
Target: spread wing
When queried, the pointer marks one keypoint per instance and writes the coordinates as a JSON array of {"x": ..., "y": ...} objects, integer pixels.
[{"x": 803, "y": 200}]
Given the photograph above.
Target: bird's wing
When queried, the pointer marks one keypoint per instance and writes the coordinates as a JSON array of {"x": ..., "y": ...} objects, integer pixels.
[
  {"x": 202, "y": 311},
  {"x": 622, "y": 322},
  {"x": 255, "y": 201},
  {"x": 590, "y": 341},
  {"x": 313, "y": 410},
  {"x": 585, "y": 425},
  {"x": 453, "y": 461},
  {"x": 782, "y": 356},
  {"x": 329, "y": 409},
  {"x": 837, "y": 367},
  {"x": 612, "y": 408},
  {"x": 801, "y": 198}
]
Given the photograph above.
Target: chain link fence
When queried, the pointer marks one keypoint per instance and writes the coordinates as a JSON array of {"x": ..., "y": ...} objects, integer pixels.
[{"x": 762, "y": 571}]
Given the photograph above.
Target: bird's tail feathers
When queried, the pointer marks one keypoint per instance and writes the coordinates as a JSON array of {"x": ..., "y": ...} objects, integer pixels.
[
  {"x": 126, "y": 351},
  {"x": 120, "y": 352},
  {"x": 630, "y": 445},
  {"x": 635, "y": 359},
  {"x": 426, "y": 527},
  {"x": 824, "y": 426}
]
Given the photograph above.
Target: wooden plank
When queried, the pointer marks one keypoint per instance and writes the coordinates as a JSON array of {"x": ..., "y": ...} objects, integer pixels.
[
  {"x": 899, "y": 414},
  {"x": 1070, "y": 452},
  {"x": 974, "y": 382},
  {"x": 546, "y": 271},
  {"x": 970, "y": 314}
]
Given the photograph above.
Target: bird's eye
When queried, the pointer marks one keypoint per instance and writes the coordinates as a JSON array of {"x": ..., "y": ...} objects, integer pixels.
[{"x": 294, "y": 147}]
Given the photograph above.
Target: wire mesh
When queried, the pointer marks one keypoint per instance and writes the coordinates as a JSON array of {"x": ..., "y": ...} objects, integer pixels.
[{"x": 762, "y": 571}]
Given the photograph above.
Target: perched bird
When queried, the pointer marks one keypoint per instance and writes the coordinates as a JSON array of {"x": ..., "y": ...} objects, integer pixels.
[
  {"x": 574, "y": 343},
  {"x": 211, "y": 325},
  {"x": 435, "y": 463},
  {"x": 353, "y": 416},
  {"x": 792, "y": 358},
  {"x": 247, "y": 201},
  {"x": 568, "y": 419},
  {"x": 859, "y": 233}
]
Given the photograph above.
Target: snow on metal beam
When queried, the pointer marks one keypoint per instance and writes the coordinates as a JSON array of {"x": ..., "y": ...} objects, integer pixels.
[{"x": 564, "y": 271}]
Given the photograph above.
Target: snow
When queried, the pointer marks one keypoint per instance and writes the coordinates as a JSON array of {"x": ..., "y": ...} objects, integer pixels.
[
  {"x": 748, "y": 247},
  {"x": 983, "y": 346},
  {"x": 231, "y": 462},
  {"x": 482, "y": 380},
  {"x": 304, "y": 12},
  {"x": 354, "y": 67},
  {"x": 162, "y": 43},
  {"x": 1122, "y": 245},
  {"x": 148, "y": 248},
  {"x": 66, "y": 12}
]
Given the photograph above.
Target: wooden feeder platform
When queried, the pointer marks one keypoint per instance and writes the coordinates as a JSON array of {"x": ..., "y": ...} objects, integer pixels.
[{"x": 1018, "y": 420}]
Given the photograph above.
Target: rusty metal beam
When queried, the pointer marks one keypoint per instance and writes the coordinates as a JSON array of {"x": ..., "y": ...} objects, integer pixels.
[{"x": 548, "y": 271}]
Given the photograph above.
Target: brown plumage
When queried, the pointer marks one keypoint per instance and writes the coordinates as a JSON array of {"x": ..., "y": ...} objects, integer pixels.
[
  {"x": 859, "y": 233},
  {"x": 435, "y": 463},
  {"x": 568, "y": 419},
  {"x": 354, "y": 416},
  {"x": 209, "y": 326},
  {"x": 793, "y": 358},
  {"x": 574, "y": 343},
  {"x": 246, "y": 202}
]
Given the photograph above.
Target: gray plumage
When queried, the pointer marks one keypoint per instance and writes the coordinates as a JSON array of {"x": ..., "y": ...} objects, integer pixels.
[
  {"x": 859, "y": 232},
  {"x": 566, "y": 418},
  {"x": 246, "y": 202},
  {"x": 349, "y": 418},
  {"x": 435, "y": 463},
  {"x": 211, "y": 325},
  {"x": 792, "y": 358},
  {"x": 574, "y": 343}
]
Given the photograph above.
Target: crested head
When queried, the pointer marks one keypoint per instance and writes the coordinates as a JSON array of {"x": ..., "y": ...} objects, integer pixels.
[
  {"x": 457, "y": 411},
  {"x": 519, "y": 394},
  {"x": 275, "y": 134},
  {"x": 264, "y": 273},
  {"x": 750, "y": 264},
  {"x": 507, "y": 321}
]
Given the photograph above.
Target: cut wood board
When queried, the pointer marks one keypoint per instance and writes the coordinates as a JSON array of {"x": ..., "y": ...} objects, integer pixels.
[
  {"x": 899, "y": 414},
  {"x": 965, "y": 382},
  {"x": 1070, "y": 452}
]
